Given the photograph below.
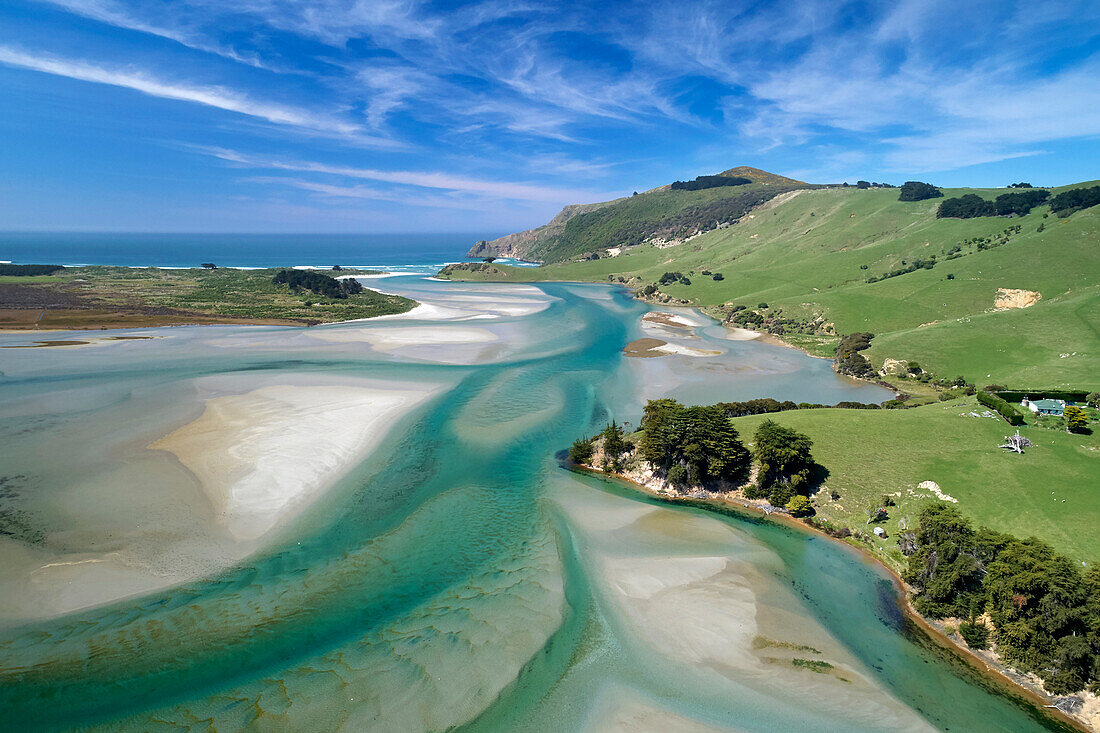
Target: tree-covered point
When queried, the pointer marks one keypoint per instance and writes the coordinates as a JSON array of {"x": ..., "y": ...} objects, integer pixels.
[
  {"x": 918, "y": 191},
  {"x": 849, "y": 360},
  {"x": 700, "y": 440},
  {"x": 1075, "y": 199},
  {"x": 1045, "y": 612},
  {"x": 318, "y": 282},
  {"x": 702, "y": 182},
  {"x": 29, "y": 270}
]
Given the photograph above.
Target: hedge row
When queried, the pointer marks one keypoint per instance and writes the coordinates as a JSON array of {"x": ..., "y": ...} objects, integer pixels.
[
  {"x": 1007, "y": 411},
  {"x": 28, "y": 270}
]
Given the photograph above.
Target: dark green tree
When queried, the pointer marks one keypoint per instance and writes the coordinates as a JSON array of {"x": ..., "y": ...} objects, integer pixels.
[{"x": 784, "y": 459}]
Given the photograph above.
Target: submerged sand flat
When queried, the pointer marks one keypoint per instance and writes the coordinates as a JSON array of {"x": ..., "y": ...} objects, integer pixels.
[
  {"x": 262, "y": 456},
  {"x": 475, "y": 302},
  {"x": 390, "y": 338}
]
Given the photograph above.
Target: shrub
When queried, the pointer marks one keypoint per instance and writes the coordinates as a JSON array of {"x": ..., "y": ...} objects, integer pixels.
[
  {"x": 718, "y": 276},
  {"x": 974, "y": 634},
  {"x": 1076, "y": 419},
  {"x": 677, "y": 475},
  {"x": 1007, "y": 411},
  {"x": 800, "y": 506},
  {"x": 582, "y": 450},
  {"x": 918, "y": 191}
]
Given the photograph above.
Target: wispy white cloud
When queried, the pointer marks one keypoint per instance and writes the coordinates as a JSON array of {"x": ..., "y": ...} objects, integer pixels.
[
  {"x": 211, "y": 96},
  {"x": 334, "y": 191},
  {"x": 111, "y": 13},
  {"x": 508, "y": 190}
]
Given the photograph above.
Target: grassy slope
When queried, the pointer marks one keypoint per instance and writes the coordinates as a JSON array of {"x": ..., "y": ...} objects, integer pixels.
[
  {"x": 874, "y": 452},
  {"x": 804, "y": 256},
  {"x": 637, "y": 217},
  {"x": 225, "y": 293}
]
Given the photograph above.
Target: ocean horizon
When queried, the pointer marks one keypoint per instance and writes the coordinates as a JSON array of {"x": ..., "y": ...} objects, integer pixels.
[{"x": 130, "y": 249}]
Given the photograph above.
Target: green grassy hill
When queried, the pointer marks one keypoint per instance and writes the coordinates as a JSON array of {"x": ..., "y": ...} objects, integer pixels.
[
  {"x": 804, "y": 254},
  {"x": 662, "y": 213}
]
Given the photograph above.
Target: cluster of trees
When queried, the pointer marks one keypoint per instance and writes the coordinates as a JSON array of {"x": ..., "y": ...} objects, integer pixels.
[
  {"x": 869, "y": 184},
  {"x": 1001, "y": 406},
  {"x": 906, "y": 268},
  {"x": 613, "y": 442},
  {"x": 849, "y": 360},
  {"x": 29, "y": 270},
  {"x": 692, "y": 445},
  {"x": 1075, "y": 199},
  {"x": 1045, "y": 611},
  {"x": 317, "y": 282},
  {"x": 743, "y": 317},
  {"x": 702, "y": 182},
  {"x": 971, "y": 205},
  {"x": 672, "y": 277},
  {"x": 918, "y": 191},
  {"x": 1020, "y": 185},
  {"x": 766, "y": 405},
  {"x": 785, "y": 463}
]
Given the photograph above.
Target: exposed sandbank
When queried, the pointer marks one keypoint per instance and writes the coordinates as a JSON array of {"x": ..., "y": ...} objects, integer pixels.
[
  {"x": 263, "y": 456},
  {"x": 651, "y": 347}
]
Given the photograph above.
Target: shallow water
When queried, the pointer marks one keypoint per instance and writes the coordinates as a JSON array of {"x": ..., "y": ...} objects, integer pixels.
[{"x": 456, "y": 576}]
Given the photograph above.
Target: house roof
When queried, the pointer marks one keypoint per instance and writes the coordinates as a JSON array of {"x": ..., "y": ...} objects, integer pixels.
[{"x": 1049, "y": 404}]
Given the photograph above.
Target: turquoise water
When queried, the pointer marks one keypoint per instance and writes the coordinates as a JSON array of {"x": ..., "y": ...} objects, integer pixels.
[{"x": 454, "y": 577}]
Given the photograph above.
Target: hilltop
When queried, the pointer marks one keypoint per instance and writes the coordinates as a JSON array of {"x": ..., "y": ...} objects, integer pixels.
[
  {"x": 668, "y": 213},
  {"x": 1008, "y": 299}
]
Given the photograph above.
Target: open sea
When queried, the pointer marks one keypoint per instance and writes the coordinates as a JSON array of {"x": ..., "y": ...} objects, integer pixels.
[{"x": 233, "y": 250}]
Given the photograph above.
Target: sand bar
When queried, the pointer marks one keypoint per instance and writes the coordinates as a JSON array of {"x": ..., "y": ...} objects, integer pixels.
[
  {"x": 669, "y": 319},
  {"x": 262, "y": 456}
]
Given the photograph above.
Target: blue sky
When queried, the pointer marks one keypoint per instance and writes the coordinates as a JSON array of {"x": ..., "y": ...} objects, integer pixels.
[{"x": 389, "y": 116}]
